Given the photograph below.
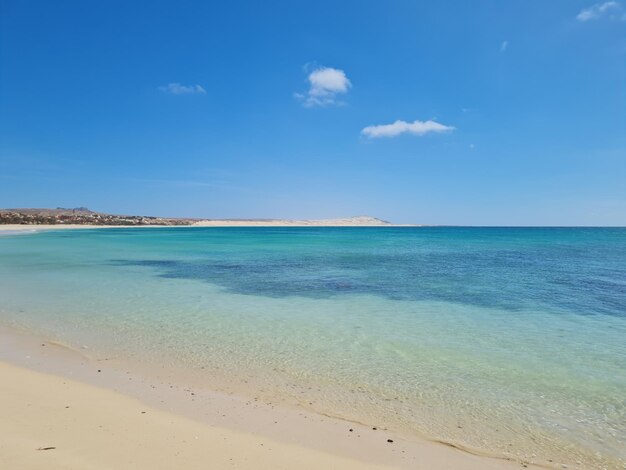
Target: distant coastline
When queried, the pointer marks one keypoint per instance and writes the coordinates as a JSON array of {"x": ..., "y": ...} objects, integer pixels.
[{"x": 83, "y": 217}]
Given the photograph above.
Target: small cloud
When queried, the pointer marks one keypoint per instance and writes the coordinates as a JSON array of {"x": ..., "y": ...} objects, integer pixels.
[
  {"x": 178, "y": 89},
  {"x": 472, "y": 146},
  {"x": 325, "y": 84},
  {"x": 504, "y": 45},
  {"x": 598, "y": 10},
  {"x": 403, "y": 127}
]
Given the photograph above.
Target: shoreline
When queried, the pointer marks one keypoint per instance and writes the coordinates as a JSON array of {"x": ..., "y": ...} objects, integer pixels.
[
  {"x": 32, "y": 228},
  {"x": 321, "y": 441},
  {"x": 76, "y": 425}
]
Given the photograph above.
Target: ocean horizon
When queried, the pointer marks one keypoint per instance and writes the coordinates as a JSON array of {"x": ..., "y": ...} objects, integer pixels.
[{"x": 507, "y": 341}]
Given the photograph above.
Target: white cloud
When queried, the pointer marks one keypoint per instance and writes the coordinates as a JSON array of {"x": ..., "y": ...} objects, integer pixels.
[
  {"x": 325, "y": 84},
  {"x": 596, "y": 11},
  {"x": 403, "y": 127},
  {"x": 178, "y": 89},
  {"x": 504, "y": 45}
]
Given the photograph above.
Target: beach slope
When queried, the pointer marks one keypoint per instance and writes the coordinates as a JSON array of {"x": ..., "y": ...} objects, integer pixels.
[{"x": 49, "y": 422}]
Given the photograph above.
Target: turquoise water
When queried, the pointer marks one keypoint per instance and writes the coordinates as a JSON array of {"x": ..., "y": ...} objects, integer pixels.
[{"x": 511, "y": 341}]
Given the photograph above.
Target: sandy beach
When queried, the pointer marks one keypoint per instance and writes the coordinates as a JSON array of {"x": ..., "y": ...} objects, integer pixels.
[
  {"x": 362, "y": 221},
  {"x": 341, "y": 222},
  {"x": 15, "y": 228},
  {"x": 62, "y": 410},
  {"x": 50, "y": 422}
]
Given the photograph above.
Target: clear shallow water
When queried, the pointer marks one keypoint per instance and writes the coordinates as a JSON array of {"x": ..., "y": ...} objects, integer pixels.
[{"x": 511, "y": 341}]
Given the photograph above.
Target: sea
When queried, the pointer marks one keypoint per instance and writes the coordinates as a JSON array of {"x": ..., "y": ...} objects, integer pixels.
[{"x": 504, "y": 341}]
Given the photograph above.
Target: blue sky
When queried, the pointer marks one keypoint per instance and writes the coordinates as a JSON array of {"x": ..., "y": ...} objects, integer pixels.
[{"x": 482, "y": 112}]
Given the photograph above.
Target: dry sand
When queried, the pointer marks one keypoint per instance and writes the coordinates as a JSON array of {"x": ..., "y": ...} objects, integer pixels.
[
  {"x": 95, "y": 417},
  {"x": 363, "y": 221},
  {"x": 49, "y": 422},
  {"x": 24, "y": 228}
]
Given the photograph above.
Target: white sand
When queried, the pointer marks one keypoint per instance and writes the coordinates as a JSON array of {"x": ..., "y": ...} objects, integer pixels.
[
  {"x": 363, "y": 221},
  {"x": 93, "y": 428},
  {"x": 24, "y": 228},
  {"x": 95, "y": 421}
]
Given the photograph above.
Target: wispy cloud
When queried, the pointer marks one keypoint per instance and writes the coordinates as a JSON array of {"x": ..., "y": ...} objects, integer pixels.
[
  {"x": 403, "y": 127},
  {"x": 504, "y": 45},
  {"x": 172, "y": 182},
  {"x": 325, "y": 84},
  {"x": 598, "y": 10},
  {"x": 178, "y": 89},
  {"x": 185, "y": 184}
]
